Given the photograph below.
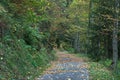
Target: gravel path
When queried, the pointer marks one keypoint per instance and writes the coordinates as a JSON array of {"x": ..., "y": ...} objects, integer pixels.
[{"x": 67, "y": 67}]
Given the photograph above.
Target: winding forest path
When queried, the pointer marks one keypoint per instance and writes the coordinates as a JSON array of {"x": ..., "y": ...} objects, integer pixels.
[{"x": 66, "y": 67}]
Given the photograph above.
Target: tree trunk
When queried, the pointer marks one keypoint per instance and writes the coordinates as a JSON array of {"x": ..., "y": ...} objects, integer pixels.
[
  {"x": 115, "y": 36},
  {"x": 77, "y": 42},
  {"x": 89, "y": 25}
]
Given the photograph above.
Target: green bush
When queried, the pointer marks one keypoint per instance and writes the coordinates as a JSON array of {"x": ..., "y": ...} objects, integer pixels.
[
  {"x": 71, "y": 50},
  {"x": 20, "y": 61},
  {"x": 23, "y": 55},
  {"x": 33, "y": 37}
]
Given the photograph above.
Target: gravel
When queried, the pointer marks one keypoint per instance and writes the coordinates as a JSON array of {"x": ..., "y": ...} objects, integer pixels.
[{"x": 67, "y": 71}]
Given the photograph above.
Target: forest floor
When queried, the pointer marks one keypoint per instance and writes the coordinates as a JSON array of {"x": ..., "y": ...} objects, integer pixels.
[{"x": 66, "y": 67}]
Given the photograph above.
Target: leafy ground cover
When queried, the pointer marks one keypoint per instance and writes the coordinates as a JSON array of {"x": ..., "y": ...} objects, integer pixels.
[{"x": 100, "y": 70}]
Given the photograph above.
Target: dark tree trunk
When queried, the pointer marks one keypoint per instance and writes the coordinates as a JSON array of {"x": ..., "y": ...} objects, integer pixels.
[{"x": 115, "y": 36}]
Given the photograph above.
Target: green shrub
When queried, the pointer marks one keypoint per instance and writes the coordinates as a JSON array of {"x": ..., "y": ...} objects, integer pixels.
[
  {"x": 22, "y": 61},
  {"x": 71, "y": 50}
]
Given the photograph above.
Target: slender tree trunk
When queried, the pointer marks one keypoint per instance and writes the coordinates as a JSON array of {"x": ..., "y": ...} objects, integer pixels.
[
  {"x": 115, "y": 36},
  {"x": 77, "y": 42},
  {"x": 90, "y": 12},
  {"x": 89, "y": 26}
]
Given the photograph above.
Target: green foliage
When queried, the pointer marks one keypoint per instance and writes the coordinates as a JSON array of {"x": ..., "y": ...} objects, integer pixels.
[
  {"x": 22, "y": 61},
  {"x": 29, "y": 29},
  {"x": 100, "y": 70},
  {"x": 106, "y": 62},
  {"x": 67, "y": 47},
  {"x": 33, "y": 37},
  {"x": 23, "y": 55},
  {"x": 70, "y": 49},
  {"x": 100, "y": 29}
]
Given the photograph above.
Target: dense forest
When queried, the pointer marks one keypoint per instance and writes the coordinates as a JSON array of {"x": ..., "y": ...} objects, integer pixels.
[{"x": 31, "y": 29}]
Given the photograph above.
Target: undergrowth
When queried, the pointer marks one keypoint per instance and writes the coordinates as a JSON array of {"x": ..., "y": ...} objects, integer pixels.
[
  {"x": 20, "y": 61},
  {"x": 100, "y": 70}
]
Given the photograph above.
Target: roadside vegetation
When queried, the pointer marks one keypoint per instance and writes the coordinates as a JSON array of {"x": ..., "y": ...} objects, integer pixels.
[
  {"x": 31, "y": 29},
  {"x": 100, "y": 70}
]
